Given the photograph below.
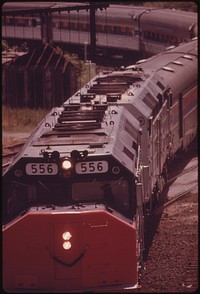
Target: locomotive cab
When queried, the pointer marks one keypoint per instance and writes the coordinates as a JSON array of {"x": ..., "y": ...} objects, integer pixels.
[
  {"x": 73, "y": 225},
  {"x": 75, "y": 182}
]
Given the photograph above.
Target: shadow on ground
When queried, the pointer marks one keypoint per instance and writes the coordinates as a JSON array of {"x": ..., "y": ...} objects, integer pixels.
[{"x": 152, "y": 221}]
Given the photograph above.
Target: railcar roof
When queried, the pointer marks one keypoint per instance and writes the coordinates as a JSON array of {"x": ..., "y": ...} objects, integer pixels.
[
  {"x": 177, "y": 66},
  {"x": 164, "y": 58},
  {"x": 114, "y": 10}
]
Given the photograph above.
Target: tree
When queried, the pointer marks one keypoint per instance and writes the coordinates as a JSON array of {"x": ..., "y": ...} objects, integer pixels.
[{"x": 179, "y": 5}]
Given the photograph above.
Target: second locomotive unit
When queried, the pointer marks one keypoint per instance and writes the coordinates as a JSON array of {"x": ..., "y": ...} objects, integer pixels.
[{"x": 75, "y": 197}]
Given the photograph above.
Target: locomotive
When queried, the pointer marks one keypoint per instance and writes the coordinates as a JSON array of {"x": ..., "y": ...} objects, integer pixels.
[
  {"x": 120, "y": 29},
  {"x": 76, "y": 196}
]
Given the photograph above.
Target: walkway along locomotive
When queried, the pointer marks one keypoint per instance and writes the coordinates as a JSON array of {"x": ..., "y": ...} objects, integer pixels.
[{"x": 75, "y": 198}]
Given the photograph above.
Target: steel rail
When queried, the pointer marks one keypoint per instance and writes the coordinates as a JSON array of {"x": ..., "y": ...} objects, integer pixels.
[
  {"x": 179, "y": 196},
  {"x": 14, "y": 145}
]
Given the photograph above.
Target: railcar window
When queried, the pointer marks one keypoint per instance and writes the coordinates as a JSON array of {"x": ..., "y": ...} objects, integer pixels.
[
  {"x": 12, "y": 21},
  {"x": 73, "y": 25},
  {"x": 81, "y": 26},
  {"x": 109, "y": 29},
  {"x": 123, "y": 30},
  {"x": 114, "y": 193},
  {"x": 64, "y": 25},
  {"x": 129, "y": 31},
  {"x": 116, "y": 30},
  {"x": 99, "y": 28},
  {"x": 4, "y": 21},
  {"x": 34, "y": 22},
  {"x": 26, "y": 22}
]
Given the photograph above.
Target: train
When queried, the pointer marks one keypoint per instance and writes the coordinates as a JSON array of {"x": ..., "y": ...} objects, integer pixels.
[
  {"x": 120, "y": 29},
  {"x": 76, "y": 197}
]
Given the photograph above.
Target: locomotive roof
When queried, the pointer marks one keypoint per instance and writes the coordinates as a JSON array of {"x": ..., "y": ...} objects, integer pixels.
[
  {"x": 110, "y": 90},
  {"x": 174, "y": 63},
  {"x": 111, "y": 104}
]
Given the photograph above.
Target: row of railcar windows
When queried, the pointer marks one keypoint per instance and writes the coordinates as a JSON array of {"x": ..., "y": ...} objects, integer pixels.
[
  {"x": 157, "y": 37},
  {"x": 69, "y": 25},
  {"x": 100, "y": 28}
]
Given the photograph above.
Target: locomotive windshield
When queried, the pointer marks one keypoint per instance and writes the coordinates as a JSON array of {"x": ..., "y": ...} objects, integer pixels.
[
  {"x": 118, "y": 194},
  {"x": 113, "y": 192}
]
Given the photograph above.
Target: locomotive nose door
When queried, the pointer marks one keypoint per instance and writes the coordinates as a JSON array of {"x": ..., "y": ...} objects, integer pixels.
[{"x": 67, "y": 252}]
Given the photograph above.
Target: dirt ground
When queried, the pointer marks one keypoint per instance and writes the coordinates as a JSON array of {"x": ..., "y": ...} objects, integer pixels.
[{"x": 174, "y": 249}]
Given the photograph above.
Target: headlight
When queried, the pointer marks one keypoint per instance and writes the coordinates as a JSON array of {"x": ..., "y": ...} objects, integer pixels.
[
  {"x": 66, "y": 164},
  {"x": 67, "y": 244},
  {"x": 66, "y": 235}
]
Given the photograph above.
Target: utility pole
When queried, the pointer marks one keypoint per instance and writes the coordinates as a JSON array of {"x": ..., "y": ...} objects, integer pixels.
[
  {"x": 141, "y": 52},
  {"x": 92, "y": 32},
  {"x": 46, "y": 28}
]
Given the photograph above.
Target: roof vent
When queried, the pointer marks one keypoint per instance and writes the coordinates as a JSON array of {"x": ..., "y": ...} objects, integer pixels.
[
  {"x": 76, "y": 119},
  {"x": 167, "y": 68},
  {"x": 87, "y": 97},
  {"x": 187, "y": 57},
  {"x": 140, "y": 61},
  {"x": 170, "y": 47},
  {"x": 177, "y": 62},
  {"x": 113, "y": 97}
]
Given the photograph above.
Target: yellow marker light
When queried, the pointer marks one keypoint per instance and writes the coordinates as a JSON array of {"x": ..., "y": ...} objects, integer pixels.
[
  {"x": 66, "y": 164},
  {"x": 67, "y": 245}
]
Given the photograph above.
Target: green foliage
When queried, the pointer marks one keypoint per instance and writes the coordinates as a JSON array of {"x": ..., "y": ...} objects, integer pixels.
[
  {"x": 179, "y": 5},
  {"x": 84, "y": 71},
  {"x": 22, "y": 48},
  {"x": 5, "y": 46}
]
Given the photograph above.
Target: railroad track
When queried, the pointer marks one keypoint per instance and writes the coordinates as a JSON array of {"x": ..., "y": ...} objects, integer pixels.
[
  {"x": 164, "y": 201},
  {"x": 14, "y": 145},
  {"x": 170, "y": 180},
  {"x": 172, "y": 261},
  {"x": 179, "y": 196},
  {"x": 191, "y": 275},
  {"x": 9, "y": 152}
]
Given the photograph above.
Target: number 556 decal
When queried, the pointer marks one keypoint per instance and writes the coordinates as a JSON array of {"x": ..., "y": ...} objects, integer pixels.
[
  {"x": 39, "y": 169},
  {"x": 90, "y": 167}
]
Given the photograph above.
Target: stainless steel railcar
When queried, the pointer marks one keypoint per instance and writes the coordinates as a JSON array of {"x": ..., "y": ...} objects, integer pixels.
[
  {"x": 117, "y": 27},
  {"x": 75, "y": 198}
]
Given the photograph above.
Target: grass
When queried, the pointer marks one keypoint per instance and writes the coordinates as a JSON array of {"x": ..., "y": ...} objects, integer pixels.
[
  {"x": 24, "y": 120},
  {"x": 21, "y": 119}
]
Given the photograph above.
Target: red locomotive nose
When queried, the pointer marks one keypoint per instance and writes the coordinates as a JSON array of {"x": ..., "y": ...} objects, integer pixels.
[{"x": 69, "y": 251}]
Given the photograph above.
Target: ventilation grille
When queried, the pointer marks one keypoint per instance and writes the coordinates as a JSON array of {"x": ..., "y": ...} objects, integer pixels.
[
  {"x": 113, "y": 84},
  {"x": 75, "y": 120}
]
